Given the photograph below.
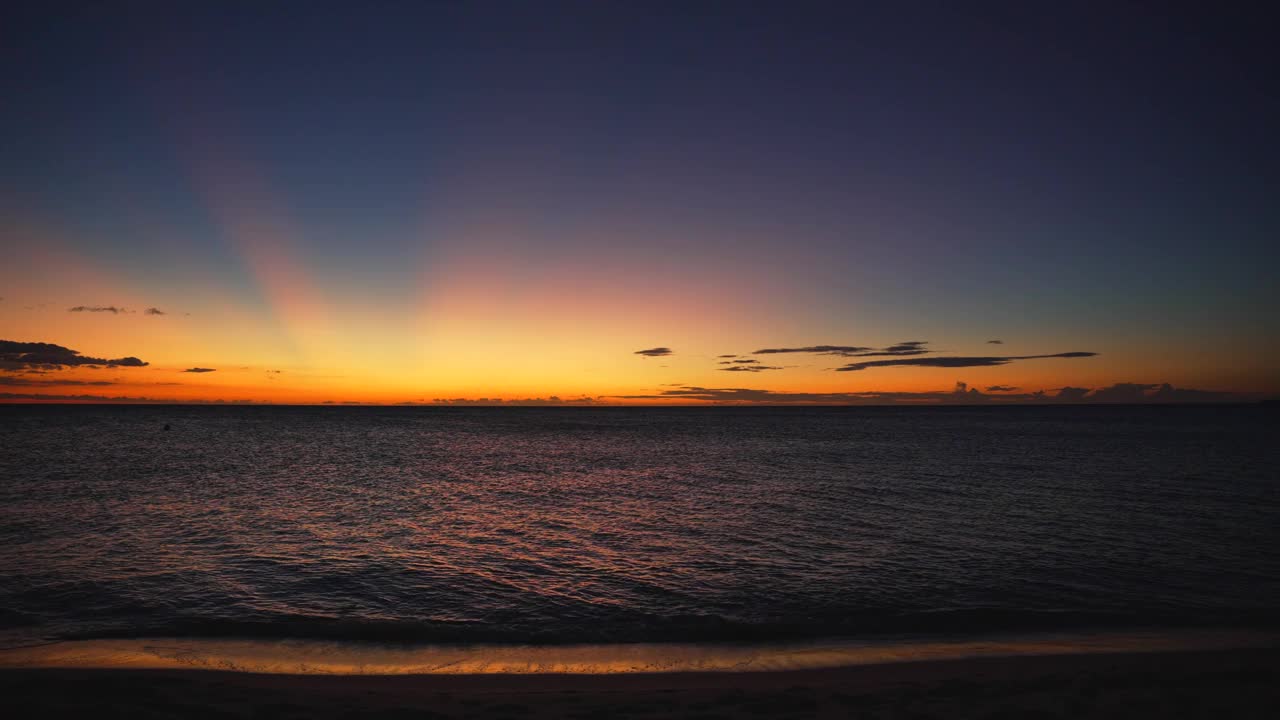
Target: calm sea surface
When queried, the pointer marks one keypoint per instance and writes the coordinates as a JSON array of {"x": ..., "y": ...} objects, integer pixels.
[{"x": 620, "y": 525}]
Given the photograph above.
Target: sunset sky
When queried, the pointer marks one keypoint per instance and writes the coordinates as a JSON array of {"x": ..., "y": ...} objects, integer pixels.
[{"x": 412, "y": 202}]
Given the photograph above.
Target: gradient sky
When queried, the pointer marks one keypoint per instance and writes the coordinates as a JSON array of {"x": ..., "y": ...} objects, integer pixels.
[{"x": 390, "y": 202}]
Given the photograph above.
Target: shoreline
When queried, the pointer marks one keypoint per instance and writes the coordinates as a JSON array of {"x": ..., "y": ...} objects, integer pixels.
[
  {"x": 317, "y": 657},
  {"x": 1243, "y": 682}
]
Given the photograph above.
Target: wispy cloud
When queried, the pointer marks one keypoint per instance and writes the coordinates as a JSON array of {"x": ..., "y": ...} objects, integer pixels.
[
  {"x": 121, "y": 399},
  {"x": 526, "y": 402},
  {"x": 29, "y": 382},
  {"x": 995, "y": 342},
  {"x": 98, "y": 309},
  {"x": 962, "y": 394},
  {"x": 15, "y": 356},
  {"x": 749, "y": 368},
  {"x": 199, "y": 370},
  {"x": 908, "y": 347},
  {"x": 654, "y": 352},
  {"x": 154, "y": 311},
  {"x": 957, "y": 361},
  {"x": 815, "y": 349}
]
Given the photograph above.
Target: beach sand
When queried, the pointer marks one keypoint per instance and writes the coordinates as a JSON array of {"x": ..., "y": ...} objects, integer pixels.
[{"x": 1167, "y": 684}]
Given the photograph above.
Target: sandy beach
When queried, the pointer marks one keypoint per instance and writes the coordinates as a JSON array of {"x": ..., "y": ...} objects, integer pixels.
[{"x": 1164, "y": 684}]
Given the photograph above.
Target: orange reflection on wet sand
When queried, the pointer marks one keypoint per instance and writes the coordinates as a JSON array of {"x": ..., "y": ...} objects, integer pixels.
[{"x": 312, "y": 657}]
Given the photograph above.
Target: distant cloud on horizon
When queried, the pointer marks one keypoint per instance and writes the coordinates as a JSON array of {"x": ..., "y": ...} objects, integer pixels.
[
  {"x": 18, "y": 356},
  {"x": 200, "y": 370},
  {"x": 155, "y": 311},
  {"x": 527, "y": 402},
  {"x": 11, "y": 381},
  {"x": 1118, "y": 393},
  {"x": 654, "y": 352}
]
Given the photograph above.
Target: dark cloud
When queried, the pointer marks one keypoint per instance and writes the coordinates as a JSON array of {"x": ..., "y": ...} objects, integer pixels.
[
  {"x": 1001, "y": 388},
  {"x": 654, "y": 352},
  {"x": 726, "y": 356},
  {"x": 121, "y": 399},
  {"x": 71, "y": 398},
  {"x": 962, "y": 394},
  {"x": 1158, "y": 393},
  {"x": 1072, "y": 394},
  {"x": 200, "y": 370},
  {"x": 1168, "y": 393},
  {"x": 155, "y": 311},
  {"x": 749, "y": 368},
  {"x": 815, "y": 349},
  {"x": 747, "y": 362},
  {"x": 769, "y": 397},
  {"x": 995, "y": 342},
  {"x": 16, "y": 356},
  {"x": 553, "y": 400},
  {"x": 28, "y": 382},
  {"x": 908, "y": 347},
  {"x": 98, "y": 309},
  {"x": 956, "y": 362},
  {"x": 1122, "y": 393}
]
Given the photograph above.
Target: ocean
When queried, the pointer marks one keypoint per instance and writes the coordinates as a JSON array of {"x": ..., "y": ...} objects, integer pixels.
[{"x": 623, "y": 525}]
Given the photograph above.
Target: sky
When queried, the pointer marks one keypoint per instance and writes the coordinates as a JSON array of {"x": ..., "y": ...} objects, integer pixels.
[{"x": 401, "y": 202}]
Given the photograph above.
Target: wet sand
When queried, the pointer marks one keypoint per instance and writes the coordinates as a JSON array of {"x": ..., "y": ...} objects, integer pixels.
[{"x": 1164, "y": 684}]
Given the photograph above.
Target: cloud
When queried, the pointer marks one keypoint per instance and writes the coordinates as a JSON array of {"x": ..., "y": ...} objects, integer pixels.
[
  {"x": 995, "y": 342},
  {"x": 961, "y": 394},
  {"x": 815, "y": 349},
  {"x": 750, "y": 368},
  {"x": 155, "y": 311},
  {"x": 726, "y": 356},
  {"x": 200, "y": 370},
  {"x": 16, "y": 356},
  {"x": 121, "y": 399},
  {"x": 1159, "y": 393},
  {"x": 654, "y": 352},
  {"x": 908, "y": 347},
  {"x": 71, "y": 398},
  {"x": 529, "y": 402},
  {"x": 957, "y": 362},
  {"x": 98, "y": 309},
  {"x": 1001, "y": 388},
  {"x": 1122, "y": 393},
  {"x": 28, "y": 382}
]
